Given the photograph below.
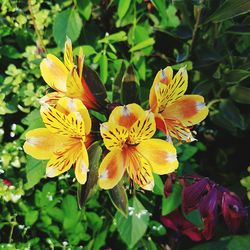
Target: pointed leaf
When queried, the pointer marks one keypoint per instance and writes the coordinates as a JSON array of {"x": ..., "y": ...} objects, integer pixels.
[
  {"x": 132, "y": 228},
  {"x": 119, "y": 198},
  {"x": 84, "y": 191}
]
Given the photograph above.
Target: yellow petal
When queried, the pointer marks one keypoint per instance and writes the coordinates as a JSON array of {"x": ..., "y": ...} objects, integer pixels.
[
  {"x": 54, "y": 73},
  {"x": 139, "y": 169},
  {"x": 189, "y": 109},
  {"x": 126, "y": 115},
  {"x": 74, "y": 85},
  {"x": 70, "y": 125},
  {"x": 62, "y": 160},
  {"x": 163, "y": 76},
  {"x": 41, "y": 143},
  {"x": 143, "y": 129},
  {"x": 80, "y": 61},
  {"x": 160, "y": 154},
  {"x": 82, "y": 166},
  {"x": 51, "y": 98},
  {"x": 67, "y": 105},
  {"x": 68, "y": 54},
  {"x": 114, "y": 136},
  {"x": 111, "y": 169}
]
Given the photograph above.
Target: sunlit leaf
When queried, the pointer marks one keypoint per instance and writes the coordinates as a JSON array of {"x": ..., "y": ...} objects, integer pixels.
[{"x": 132, "y": 228}]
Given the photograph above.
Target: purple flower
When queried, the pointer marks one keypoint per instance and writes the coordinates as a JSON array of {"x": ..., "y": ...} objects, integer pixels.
[{"x": 233, "y": 210}]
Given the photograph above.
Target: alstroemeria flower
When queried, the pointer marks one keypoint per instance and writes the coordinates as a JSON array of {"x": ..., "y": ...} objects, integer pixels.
[
  {"x": 66, "y": 78},
  {"x": 127, "y": 135},
  {"x": 63, "y": 140},
  {"x": 174, "y": 111}
]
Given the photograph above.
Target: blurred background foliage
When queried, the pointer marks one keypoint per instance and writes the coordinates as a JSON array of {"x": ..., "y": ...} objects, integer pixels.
[{"x": 211, "y": 37}]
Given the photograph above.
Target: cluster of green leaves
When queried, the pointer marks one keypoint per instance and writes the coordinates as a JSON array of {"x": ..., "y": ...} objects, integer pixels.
[{"x": 126, "y": 42}]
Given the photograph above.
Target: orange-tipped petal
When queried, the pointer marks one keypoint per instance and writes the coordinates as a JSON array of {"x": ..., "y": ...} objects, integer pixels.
[
  {"x": 111, "y": 169},
  {"x": 114, "y": 136},
  {"x": 71, "y": 125},
  {"x": 160, "y": 154},
  {"x": 62, "y": 160},
  {"x": 189, "y": 110},
  {"x": 143, "y": 129},
  {"x": 54, "y": 73},
  {"x": 139, "y": 169},
  {"x": 82, "y": 166},
  {"x": 41, "y": 143},
  {"x": 67, "y": 105},
  {"x": 126, "y": 115},
  {"x": 68, "y": 54}
]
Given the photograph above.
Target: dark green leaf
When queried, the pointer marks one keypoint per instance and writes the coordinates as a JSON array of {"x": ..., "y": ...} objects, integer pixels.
[
  {"x": 118, "y": 82},
  {"x": 240, "y": 94},
  {"x": 84, "y": 7},
  {"x": 170, "y": 203},
  {"x": 84, "y": 191},
  {"x": 119, "y": 198},
  {"x": 132, "y": 228},
  {"x": 103, "y": 68},
  {"x": 195, "y": 218},
  {"x": 67, "y": 24},
  {"x": 230, "y": 9},
  {"x": 143, "y": 44},
  {"x": 159, "y": 186},
  {"x": 31, "y": 217},
  {"x": 10, "y": 52},
  {"x": 236, "y": 76}
]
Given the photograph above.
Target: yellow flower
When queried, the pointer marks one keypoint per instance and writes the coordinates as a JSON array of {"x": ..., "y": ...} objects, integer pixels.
[
  {"x": 63, "y": 140},
  {"x": 127, "y": 135},
  {"x": 174, "y": 111},
  {"x": 66, "y": 78}
]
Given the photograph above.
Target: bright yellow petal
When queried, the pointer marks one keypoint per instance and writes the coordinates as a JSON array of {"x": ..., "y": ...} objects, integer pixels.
[
  {"x": 189, "y": 109},
  {"x": 160, "y": 154},
  {"x": 114, "y": 136},
  {"x": 67, "y": 105},
  {"x": 62, "y": 160},
  {"x": 54, "y": 73},
  {"x": 74, "y": 85},
  {"x": 143, "y": 129},
  {"x": 126, "y": 115},
  {"x": 139, "y": 169},
  {"x": 68, "y": 54},
  {"x": 111, "y": 169},
  {"x": 41, "y": 143},
  {"x": 80, "y": 61},
  {"x": 70, "y": 125},
  {"x": 82, "y": 166},
  {"x": 163, "y": 76}
]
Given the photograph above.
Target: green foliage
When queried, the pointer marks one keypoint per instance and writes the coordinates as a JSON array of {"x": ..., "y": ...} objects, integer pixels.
[{"x": 126, "y": 42}]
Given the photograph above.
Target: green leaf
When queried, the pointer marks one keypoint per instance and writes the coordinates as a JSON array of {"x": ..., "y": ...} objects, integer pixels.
[
  {"x": 103, "y": 68},
  {"x": 116, "y": 87},
  {"x": 239, "y": 242},
  {"x": 10, "y": 52},
  {"x": 170, "y": 203},
  {"x": 87, "y": 50},
  {"x": 67, "y": 24},
  {"x": 195, "y": 218},
  {"x": 132, "y": 228},
  {"x": 159, "y": 186},
  {"x": 84, "y": 7},
  {"x": 143, "y": 44},
  {"x": 114, "y": 38},
  {"x": 240, "y": 94},
  {"x": 119, "y": 198},
  {"x": 123, "y": 7},
  {"x": 35, "y": 171},
  {"x": 230, "y": 9},
  {"x": 31, "y": 217},
  {"x": 236, "y": 76},
  {"x": 85, "y": 191}
]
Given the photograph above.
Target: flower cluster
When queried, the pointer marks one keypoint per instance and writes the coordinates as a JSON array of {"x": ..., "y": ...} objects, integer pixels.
[
  {"x": 208, "y": 197},
  {"x": 128, "y": 132}
]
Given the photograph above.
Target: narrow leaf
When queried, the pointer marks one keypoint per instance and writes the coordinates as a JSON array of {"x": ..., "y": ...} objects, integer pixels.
[{"x": 142, "y": 45}]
